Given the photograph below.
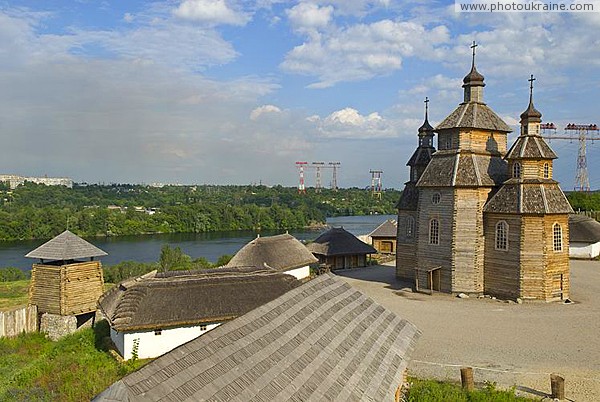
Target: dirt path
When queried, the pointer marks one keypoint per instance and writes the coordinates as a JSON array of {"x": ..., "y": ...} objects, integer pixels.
[{"x": 510, "y": 344}]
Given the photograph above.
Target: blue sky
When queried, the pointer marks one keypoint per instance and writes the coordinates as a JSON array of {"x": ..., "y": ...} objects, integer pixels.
[{"x": 235, "y": 92}]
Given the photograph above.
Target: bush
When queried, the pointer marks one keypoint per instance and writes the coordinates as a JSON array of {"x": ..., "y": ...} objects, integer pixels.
[{"x": 11, "y": 274}]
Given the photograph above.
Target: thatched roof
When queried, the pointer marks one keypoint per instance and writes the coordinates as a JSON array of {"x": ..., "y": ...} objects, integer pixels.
[
  {"x": 281, "y": 252},
  {"x": 188, "y": 298},
  {"x": 583, "y": 229},
  {"x": 533, "y": 196},
  {"x": 324, "y": 340},
  {"x": 66, "y": 246},
  {"x": 474, "y": 115},
  {"x": 389, "y": 228},
  {"x": 338, "y": 241},
  {"x": 455, "y": 168}
]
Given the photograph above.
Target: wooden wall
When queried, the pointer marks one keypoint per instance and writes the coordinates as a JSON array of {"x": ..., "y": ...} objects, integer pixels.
[
  {"x": 482, "y": 141},
  {"x": 502, "y": 277},
  {"x": 385, "y": 245},
  {"x": 428, "y": 255},
  {"x": 68, "y": 289},
  {"x": 406, "y": 247},
  {"x": 18, "y": 320}
]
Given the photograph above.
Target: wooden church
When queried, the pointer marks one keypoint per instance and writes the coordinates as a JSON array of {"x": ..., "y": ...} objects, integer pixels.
[{"x": 475, "y": 218}]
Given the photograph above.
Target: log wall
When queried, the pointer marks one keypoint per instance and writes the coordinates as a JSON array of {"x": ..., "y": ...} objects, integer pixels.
[
  {"x": 502, "y": 277},
  {"x": 406, "y": 247},
  {"x": 482, "y": 141},
  {"x": 45, "y": 288},
  {"x": 18, "y": 320}
]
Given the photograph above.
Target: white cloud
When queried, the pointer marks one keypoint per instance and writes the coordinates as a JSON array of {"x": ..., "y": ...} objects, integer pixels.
[
  {"x": 362, "y": 51},
  {"x": 128, "y": 17},
  {"x": 210, "y": 11},
  {"x": 265, "y": 109},
  {"x": 349, "y": 123},
  {"x": 309, "y": 16}
]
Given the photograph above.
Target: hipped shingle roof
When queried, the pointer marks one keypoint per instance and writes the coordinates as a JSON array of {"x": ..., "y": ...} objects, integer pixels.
[
  {"x": 188, "y": 298},
  {"x": 338, "y": 241},
  {"x": 281, "y": 252},
  {"x": 474, "y": 115},
  {"x": 534, "y": 196},
  {"x": 389, "y": 228},
  {"x": 66, "y": 246},
  {"x": 322, "y": 341}
]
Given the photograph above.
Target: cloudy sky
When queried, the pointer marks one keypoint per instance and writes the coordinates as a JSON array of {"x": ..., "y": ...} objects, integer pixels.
[{"x": 237, "y": 91}]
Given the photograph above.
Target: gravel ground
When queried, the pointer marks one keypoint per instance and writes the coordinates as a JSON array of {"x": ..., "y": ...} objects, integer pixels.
[{"x": 507, "y": 343}]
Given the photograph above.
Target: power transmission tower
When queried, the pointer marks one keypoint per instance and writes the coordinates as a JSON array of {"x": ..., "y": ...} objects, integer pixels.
[
  {"x": 300, "y": 166},
  {"x": 318, "y": 166},
  {"x": 582, "y": 133},
  {"x": 335, "y": 166},
  {"x": 376, "y": 183}
]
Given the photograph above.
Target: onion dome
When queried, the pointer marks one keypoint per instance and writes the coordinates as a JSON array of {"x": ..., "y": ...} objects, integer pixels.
[{"x": 531, "y": 115}]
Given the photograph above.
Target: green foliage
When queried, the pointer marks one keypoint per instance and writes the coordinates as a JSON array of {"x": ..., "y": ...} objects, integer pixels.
[
  {"x": 11, "y": 274},
  {"x": 584, "y": 201},
  {"x": 75, "y": 368},
  {"x": 13, "y": 294},
  {"x": 434, "y": 391},
  {"x": 173, "y": 259},
  {"x": 223, "y": 260},
  {"x": 36, "y": 211},
  {"x": 127, "y": 269}
]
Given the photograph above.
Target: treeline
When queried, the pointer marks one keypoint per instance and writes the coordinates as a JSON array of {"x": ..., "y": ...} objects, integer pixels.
[
  {"x": 584, "y": 201},
  {"x": 36, "y": 211}
]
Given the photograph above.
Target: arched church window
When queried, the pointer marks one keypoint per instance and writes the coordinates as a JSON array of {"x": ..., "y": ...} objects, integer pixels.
[
  {"x": 557, "y": 232},
  {"x": 502, "y": 235},
  {"x": 434, "y": 231},
  {"x": 410, "y": 227},
  {"x": 546, "y": 170},
  {"x": 436, "y": 198},
  {"x": 517, "y": 170}
]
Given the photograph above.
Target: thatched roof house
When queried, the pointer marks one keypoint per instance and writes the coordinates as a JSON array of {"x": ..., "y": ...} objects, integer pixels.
[
  {"x": 324, "y": 340},
  {"x": 282, "y": 252},
  {"x": 181, "y": 305},
  {"x": 384, "y": 237},
  {"x": 339, "y": 248},
  {"x": 64, "y": 247},
  {"x": 584, "y": 237}
]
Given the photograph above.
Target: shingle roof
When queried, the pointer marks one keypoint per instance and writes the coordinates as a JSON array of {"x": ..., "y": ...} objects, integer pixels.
[
  {"x": 583, "y": 229},
  {"x": 474, "y": 115},
  {"x": 463, "y": 169},
  {"x": 186, "y": 298},
  {"x": 281, "y": 252},
  {"x": 421, "y": 156},
  {"x": 535, "y": 196},
  {"x": 66, "y": 246},
  {"x": 409, "y": 199},
  {"x": 389, "y": 228},
  {"x": 338, "y": 241},
  {"x": 530, "y": 147},
  {"x": 322, "y": 341}
]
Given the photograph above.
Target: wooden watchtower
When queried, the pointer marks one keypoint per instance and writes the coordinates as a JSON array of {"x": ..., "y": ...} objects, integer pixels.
[{"x": 67, "y": 280}]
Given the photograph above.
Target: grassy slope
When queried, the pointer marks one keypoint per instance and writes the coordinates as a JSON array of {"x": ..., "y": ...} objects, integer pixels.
[
  {"x": 13, "y": 294},
  {"x": 79, "y": 366},
  {"x": 433, "y": 391}
]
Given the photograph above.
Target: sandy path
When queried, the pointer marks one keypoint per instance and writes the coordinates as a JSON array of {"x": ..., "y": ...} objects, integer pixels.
[{"x": 510, "y": 344}]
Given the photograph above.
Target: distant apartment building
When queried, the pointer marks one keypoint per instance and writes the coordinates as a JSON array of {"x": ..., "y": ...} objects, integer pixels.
[{"x": 14, "y": 180}]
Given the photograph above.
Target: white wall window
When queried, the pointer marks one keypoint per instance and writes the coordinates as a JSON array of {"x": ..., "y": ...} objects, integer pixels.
[
  {"x": 410, "y": 227},
  {"x": 436, "y": 198},
  {"x": 434, "y": 231},
  {"x": 502, "y": 235},
  {"x": 557, "y": 232},
  {"x": 517, "y": 170}
]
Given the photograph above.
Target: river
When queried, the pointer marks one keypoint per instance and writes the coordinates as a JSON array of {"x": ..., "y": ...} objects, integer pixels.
[{"x": 146, "y": 248}]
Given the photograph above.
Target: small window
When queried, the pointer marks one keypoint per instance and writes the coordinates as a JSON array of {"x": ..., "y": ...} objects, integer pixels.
[
  {"x": 546, "y": 170},
  {"x": 202, "y": 327},
  {"x": 434, "y": 231},
  {"x": 435, "y": 198},
  {"x": 158, "y": 332},
  {"x": 410, "y": 227},
  {"x": 557, "y": 232},
  {"x": 517, "y": 170},
  {"x": 501, "y": 236}
]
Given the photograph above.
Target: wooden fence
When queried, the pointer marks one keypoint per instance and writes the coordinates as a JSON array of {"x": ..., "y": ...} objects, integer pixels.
[
  {"x": 592, "y": 214},
  {"x": 18, "y": 320}
]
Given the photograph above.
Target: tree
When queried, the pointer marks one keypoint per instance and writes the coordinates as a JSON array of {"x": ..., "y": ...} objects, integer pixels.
[{"x": 173, "y": 259}]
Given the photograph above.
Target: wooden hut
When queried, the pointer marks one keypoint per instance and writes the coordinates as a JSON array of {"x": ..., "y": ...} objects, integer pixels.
[
  {"x": 338, "y": 248},
  {"x": 61, "y": 283},
  {"x": 322, "y": 341},
  {"x": 283, "y": 252},
  {"x": 152, "y": 314},
  {"x": 383, "y": 238}
]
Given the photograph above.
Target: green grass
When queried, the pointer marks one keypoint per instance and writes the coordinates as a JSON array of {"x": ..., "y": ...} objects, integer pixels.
[
  {"x": 75, "y": 368},
  {"x": 13, "y": 294},
  {"x": 432, "y": 390}
]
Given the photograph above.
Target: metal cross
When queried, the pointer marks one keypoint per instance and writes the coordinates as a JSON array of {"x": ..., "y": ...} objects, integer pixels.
[
  {"x": 473, "y": 46},
  {"x": 426, "y": 105},
  {"x": 531, "y": 87}
]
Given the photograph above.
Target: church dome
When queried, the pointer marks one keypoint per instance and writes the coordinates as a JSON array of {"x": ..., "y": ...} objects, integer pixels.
[{"x": 474, "y": 78}]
